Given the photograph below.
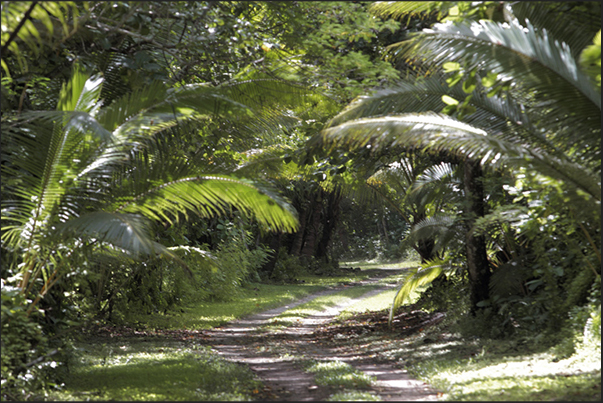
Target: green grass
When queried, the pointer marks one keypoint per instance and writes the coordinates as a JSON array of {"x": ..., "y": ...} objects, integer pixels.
[
  {"x": 140, "y": 368},
  {"x": 354, "y": 396},
  {"x": 209, "y": 314},
  {"x": 338, "y": 374},
  {"x": 487, "y": 369},
  {"x": 380, "y": 301},
  {"x": 153, "y": 371},
  {"x": 319, "y": 304},
  {"x": 496, "y": 370},
  {"x": 255, "y": 297},
  {"x": 375, "y": 303},
  {"x": 368, "y": 265}
]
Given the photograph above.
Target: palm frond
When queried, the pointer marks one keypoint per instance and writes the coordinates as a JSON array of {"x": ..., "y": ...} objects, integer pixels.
[
  {"x": 509, "y": 214},
  {"x": 132, "y": 104},
  {"x": 80, "y": 121},
  {"x": 533, "y": 61},
  {"x": 19, "y": 30},
  {"x": 128, "y": 232},
  {"x": 438, "y": 173},
  {"x": 209, "y": 196},
  {"x": 416, "y": 278},
  {"x": 405, "y": 96},
  {"x": 81, "y": 92},
  {"x": 262, "y": 162},
  {"x": 440, "y": 228},
  {"x": 562, "y": 21},
  {"x": 501, "y": 116},
  {"x": 442, "y": 133},
  {"x": 395, "y": 130}
]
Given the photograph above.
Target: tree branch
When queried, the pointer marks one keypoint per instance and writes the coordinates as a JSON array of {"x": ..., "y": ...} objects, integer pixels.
[{"x": 14, "y": 34}]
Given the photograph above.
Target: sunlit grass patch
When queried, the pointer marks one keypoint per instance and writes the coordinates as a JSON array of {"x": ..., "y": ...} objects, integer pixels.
[
  {"x": 319, "y": 304},
  {"x": 338, "y": 374},
  {"x": 381, "y": 301},
  {"x": 368, "y": 265},
  {"x": 208, "y": 314},
  {"x": 477, "y": 371},
  {"x": 354, "y": 396},
  {"x": 254, "y": 298},
  {"x": 149, "y": 371},
  {"x": 333, "y": 280}
]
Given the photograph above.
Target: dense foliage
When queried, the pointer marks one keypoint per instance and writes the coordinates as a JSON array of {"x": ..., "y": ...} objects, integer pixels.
[{"x": 155, "y": 154}]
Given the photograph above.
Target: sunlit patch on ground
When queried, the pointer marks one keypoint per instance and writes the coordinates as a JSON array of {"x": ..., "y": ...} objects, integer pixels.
[{"x": 464, "y": 369}]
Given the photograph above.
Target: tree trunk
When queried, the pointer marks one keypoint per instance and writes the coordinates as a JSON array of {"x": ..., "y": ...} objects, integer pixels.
[
  {"x": 329, "y": 224},
  {"x": 275, "y": 243},
  {"x": 477, "y": 258},
  {"x": 298, "y": 237},
  {"x": 425, "y": 249},
  {"x": 313, "y": 228}
]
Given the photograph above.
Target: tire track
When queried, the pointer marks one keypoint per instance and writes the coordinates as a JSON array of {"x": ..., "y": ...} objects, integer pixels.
[{"x": 268, "y": 353}]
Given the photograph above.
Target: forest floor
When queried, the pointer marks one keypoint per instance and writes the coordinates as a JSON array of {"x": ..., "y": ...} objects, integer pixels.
[
  {"x": 279, "y": 354},
  {"x": 318, "y": 345}
]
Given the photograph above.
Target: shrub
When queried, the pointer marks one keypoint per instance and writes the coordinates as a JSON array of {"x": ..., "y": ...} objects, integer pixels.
[
  {"x": 25, "y": 349},
  {"x": 237, "y": 265},
  {"x": 287, "y": 267}
]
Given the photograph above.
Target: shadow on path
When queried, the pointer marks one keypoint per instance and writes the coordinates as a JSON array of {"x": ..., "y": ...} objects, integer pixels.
[{"x": 269, "y": 353}]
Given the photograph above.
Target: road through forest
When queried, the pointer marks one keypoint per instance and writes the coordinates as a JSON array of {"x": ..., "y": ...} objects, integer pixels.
[{"x": 272, "y": 353}]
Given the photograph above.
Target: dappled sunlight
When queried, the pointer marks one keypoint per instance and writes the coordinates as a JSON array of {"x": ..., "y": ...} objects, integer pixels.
[
  {"x": 375, "y": 264},
  {"x": 113, "y": 371}
]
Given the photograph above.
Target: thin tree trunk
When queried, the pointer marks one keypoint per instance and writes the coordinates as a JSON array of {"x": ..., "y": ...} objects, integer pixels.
[
  {"x": 313, "y": 229},
  {"x": 330, "y": 222},
  {"x": 477, "y": 257},
  {"x": 298, "y": 237},
  {"x": 275, "y": 243}
]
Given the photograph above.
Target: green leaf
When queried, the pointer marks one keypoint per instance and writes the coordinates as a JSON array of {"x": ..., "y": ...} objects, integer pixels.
[
  {"x": 490, "y": 79},
  {"x": 448, "y": 100},
  {"x": 470, "y": 84},
  {"x": 454, "y": 79},
  {"x": 450, "y": 67}
]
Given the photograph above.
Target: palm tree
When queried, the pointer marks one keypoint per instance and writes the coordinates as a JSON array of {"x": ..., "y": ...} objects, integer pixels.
[
  {"x": 420, "y": 190},
  {"x": 521, "y": 101},
  {"x": 90, "y": 178}
]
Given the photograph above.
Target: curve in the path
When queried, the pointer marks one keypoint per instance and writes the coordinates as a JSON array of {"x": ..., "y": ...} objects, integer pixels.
[{"x": 243, "y": 341}]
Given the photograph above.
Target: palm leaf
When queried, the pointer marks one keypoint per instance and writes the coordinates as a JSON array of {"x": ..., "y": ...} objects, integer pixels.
[
  {"x": 536, "y": 64},
  {"x": 501, "y": 116},
  {"x": 416, "y": 278},
  {"x": 18, "y": 27},
  {"x": 209, "y": 196},
  {"x": 565, "y": 23},
  {"x": 440, "y": 228},
  {"x": 63, "y": 145},
  {"x": 127, "y": 232},
  {"x": 442, "y": 133}
]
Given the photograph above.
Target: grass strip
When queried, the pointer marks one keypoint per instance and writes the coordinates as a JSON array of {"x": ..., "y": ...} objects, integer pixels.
[
  {"x": 148, "y": 369},
  {"x": 128, "y": 370},
  {"x": 338, "y": 374}
]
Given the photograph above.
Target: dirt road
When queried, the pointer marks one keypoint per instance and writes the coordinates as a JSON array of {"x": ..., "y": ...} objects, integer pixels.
[{"x": 274, "y": 354}]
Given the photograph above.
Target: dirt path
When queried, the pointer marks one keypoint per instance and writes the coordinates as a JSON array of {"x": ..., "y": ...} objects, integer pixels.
[{"x": 270, "y": 354}]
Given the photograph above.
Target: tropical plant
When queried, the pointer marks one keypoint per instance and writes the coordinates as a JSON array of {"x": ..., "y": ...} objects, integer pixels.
[
  {"x": 90, "y": 178},
  {"x": 517, "y": 97},
  {"x": 29, "y": 26}
]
